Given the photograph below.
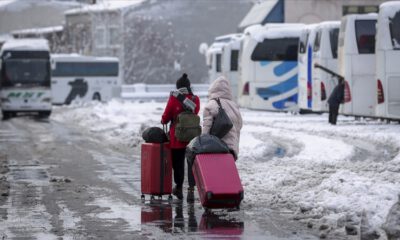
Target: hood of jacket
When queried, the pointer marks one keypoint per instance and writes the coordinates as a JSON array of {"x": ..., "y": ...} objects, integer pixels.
[{"x": 220, "y": 88}]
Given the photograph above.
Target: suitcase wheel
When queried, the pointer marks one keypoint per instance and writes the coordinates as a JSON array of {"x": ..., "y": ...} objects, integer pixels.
[
  {"x": 143, "y": 198},
  {"x": 152, "y": 197},
  {"x": 170, "y": 198},
  {"x": 159, "y": 197}
]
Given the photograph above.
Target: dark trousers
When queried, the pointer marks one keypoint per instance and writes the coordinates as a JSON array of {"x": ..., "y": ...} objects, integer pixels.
[
  {"x": 178, "y": 164},
  {"x": 333, "y": 113},
  {"x": 191, "y": 180}
]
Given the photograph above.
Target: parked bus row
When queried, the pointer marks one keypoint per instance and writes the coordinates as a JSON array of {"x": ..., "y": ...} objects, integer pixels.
[
  {"x": 31, "y": 79},
  {"x": 275, "y": 69}
]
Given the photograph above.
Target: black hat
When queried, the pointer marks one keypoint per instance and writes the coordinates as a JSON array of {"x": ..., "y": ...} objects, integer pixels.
[{"x": 183, "y": 82}]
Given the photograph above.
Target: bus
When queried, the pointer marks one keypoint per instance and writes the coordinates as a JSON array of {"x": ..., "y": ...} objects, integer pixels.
[
  {"x": 325, "y": 54},
  {"x": 305, "y": 67},
  {"x": 84, "y": 78},
  {"x": 25, "y": 77},
  {"x": 356, "y": 53},
  {"x": 230, "y": 62},
  {"x": 387, "y": 59},
  {"x": 269, "y": 67}
]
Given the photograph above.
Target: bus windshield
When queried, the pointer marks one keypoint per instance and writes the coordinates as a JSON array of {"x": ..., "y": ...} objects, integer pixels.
[
  {"x": 280, "y": 49},
  {"x": 303, "y": 42},
  {"x": 21, "y": 69},
  {"x": 395, "y": 30},
  {"x": 26, "y": 72},
  {"x": 334, "y": 38},
  {"x": 365, "y": 34}
]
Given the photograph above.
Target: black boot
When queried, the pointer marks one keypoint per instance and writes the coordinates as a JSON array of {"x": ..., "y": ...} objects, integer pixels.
[
  {"x": 190, "y": 195},
  {"x": 177, "y": 191}
]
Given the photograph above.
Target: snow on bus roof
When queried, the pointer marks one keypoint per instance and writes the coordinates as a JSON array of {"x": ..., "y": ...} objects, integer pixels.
[
  {"x": 273, "y": 32},
  {"x": 367, "y": 16},
  {"x": 110, "y": 5},
  {"x": 73, "y": 57},
  {"x": 26, "y": 44},
  {"x": 328, "y": 24},
  {"x": 389, "y": 9}
]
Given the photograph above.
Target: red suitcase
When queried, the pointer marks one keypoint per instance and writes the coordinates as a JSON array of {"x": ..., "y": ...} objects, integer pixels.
[
  {"x": 156, "y": 169},
  {"x": 217, "y": 181}
]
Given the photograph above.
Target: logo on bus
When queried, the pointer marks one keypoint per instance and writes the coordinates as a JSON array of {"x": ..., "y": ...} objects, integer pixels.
[{"x": 25, "y": 94}]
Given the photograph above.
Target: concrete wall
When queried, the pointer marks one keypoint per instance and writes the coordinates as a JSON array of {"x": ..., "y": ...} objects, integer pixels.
[{"x": 314, "y": 11}]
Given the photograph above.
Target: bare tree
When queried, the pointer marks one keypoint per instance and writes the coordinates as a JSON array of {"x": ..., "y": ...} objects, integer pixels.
[{"x": 151, "y": 51}]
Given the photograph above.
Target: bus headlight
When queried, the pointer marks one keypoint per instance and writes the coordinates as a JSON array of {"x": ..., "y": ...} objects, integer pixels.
[
  {"x": 46, "y": 100},
  {"x": 5, "y": 100}
]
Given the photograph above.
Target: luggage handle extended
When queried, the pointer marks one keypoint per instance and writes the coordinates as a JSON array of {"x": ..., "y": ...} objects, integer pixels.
[{"x": 165, "y": 158}]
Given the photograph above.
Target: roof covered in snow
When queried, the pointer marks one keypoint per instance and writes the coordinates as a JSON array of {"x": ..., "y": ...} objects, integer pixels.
[
  {"x": 44, "y": 30},
  {"x": 26, "y": 44},
  {"x": 106, "y": 6},
  {"x": 274, "y": 30},
  {"x": 389, "y": 9},
  {"x": 258, "y": 13}
]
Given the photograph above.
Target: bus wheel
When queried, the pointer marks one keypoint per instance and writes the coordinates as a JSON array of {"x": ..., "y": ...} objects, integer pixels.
[
  {"x": 96, "y": 97},
  {"x": 7, "y": 115},
  {"x": 44, "y": 114}
]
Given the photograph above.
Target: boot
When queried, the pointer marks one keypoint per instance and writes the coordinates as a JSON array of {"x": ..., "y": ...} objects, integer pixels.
[
  {"x": 190, "y": 195},
  {"x": 177, "y": 191}
]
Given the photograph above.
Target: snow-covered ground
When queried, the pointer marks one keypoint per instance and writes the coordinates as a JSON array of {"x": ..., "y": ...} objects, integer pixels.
[{"x": 293, "y": 163}]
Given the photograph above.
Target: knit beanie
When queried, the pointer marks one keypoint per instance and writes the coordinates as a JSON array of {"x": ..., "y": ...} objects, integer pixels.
[{"x": 183, "y": 82}]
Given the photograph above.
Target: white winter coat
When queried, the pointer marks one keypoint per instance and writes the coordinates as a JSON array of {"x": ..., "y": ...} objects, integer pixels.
[{"x": 221, "y": 89}]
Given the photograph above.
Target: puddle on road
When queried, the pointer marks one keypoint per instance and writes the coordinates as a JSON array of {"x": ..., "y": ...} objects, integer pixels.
[
  {"x": 280, "y": 152},
  {"x": 191, "y": 219}
]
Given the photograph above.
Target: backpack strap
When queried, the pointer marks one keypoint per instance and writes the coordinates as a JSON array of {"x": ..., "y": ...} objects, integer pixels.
[
  {"x": 187, "y": 104},
  {"x": 218, "y": 102}
]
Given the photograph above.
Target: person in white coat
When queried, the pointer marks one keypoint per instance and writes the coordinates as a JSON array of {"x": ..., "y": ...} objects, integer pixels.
[{"x": 221, "y": 89}]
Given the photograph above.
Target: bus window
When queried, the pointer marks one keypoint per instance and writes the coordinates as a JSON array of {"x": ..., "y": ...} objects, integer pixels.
[
  {"x": 303, "y": 42},
  {"x": 234, "y": 60},
  {"x": 317, "y": 41},
  {"x": 334, "y": 38},
  {"x": 365, "y": 34},
  {"x": 281, "y": 49},
  {"x": 395, "y": 31},
  {"x": 218, "y": 62},
  {"x": 86, "y": 69}
]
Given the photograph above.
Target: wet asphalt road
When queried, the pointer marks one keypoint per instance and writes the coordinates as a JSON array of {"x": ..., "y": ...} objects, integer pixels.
[{"x": 58, "y": 182}]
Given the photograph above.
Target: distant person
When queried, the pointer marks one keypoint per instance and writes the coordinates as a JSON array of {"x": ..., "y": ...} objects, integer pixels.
[
  {"x": 174, "y": 107},
  {"x": 221, "y": 89},
  {"x": 335, "y": 100}
]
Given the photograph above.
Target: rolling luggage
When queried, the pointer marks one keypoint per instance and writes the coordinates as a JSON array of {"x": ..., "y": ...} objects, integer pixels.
[
  {"x": 156, "y": 170},
  {"x": 217, "y": 180}
]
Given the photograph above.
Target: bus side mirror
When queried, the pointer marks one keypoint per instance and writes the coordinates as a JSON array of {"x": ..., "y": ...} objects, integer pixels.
[{"x": 52, "y": 64}]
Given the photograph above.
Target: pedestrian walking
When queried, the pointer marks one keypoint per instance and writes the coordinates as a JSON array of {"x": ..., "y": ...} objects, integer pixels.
[
  {"x": 181, "y": 100},
  {"x": 220, "y": 90},
  {"x": 334, "y": 101}
]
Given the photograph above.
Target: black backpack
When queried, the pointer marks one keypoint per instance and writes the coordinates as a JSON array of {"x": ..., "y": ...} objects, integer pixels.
[{"x": 222, "y": 124}]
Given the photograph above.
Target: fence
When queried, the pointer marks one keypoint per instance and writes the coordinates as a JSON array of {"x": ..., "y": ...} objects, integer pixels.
[{"x": 157, "y": 91}]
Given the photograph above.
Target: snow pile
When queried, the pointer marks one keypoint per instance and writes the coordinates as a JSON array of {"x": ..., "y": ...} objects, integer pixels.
[{"x": 296, "y": 163}]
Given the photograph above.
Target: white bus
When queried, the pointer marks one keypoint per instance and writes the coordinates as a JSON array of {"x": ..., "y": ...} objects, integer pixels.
[
  {"x": 387, "y": 61},
  {"x": 214, "y": 56},
  {"x": 325, "y": 54},
  {"x": 305, "y": 67},
  {"x": 25, "y": 77},
  {"x": 356, "y": 55},
  {"x": 269, "y": 70},
  {"x": 230, "y": 62},
  {"x": 84, "y": 78}
]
